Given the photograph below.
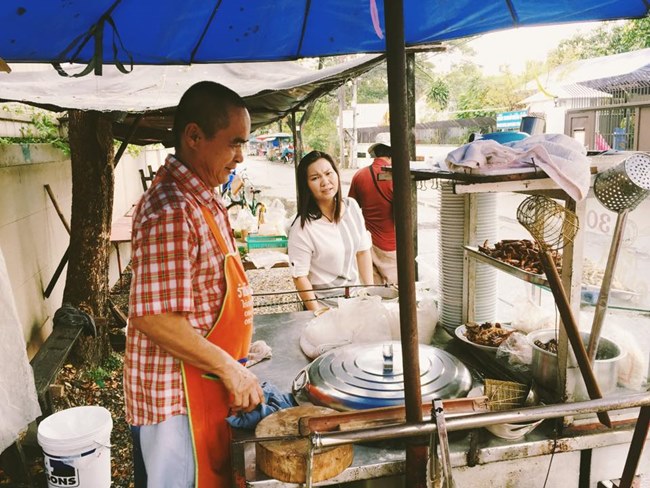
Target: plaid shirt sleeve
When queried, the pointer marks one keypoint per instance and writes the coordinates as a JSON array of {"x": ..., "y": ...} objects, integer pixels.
[{"x": 164, "y": 248}]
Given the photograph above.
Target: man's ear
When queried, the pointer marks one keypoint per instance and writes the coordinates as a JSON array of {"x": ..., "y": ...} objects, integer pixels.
[{"x": 192, "y": 134}]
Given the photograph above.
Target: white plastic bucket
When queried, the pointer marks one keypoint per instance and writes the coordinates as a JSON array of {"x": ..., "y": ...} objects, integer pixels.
[{"x": 76, "y": 447}]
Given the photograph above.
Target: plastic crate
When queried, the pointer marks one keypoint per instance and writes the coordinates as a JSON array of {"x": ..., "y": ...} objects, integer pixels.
[{"x": 256, "y": 242}]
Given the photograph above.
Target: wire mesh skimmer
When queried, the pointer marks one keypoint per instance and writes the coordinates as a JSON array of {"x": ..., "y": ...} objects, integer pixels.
[
  {"x": 620, "y": 189},
  {"x": 553, "y": 227}
]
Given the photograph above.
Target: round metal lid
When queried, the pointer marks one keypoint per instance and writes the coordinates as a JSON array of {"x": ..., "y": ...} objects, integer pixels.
[{"x": 361, "y": 376}]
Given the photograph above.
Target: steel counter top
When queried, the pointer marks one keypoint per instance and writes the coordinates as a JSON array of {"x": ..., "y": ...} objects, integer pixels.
[{"x": 282, "y": 332}]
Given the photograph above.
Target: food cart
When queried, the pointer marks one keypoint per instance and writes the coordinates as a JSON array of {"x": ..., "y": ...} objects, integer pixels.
[{"x": 573, "y": 450}]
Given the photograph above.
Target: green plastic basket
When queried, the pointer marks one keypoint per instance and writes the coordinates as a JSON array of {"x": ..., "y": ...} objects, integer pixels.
[{"x": 265, "y": 242}]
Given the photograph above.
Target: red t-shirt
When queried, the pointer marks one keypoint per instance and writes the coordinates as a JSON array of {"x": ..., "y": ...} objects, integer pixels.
[{"x": 377, "y": 210}]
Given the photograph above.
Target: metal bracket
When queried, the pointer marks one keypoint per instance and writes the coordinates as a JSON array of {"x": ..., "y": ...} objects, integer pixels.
[
  {"x": 438, "y": 414},
  {"x": 310, "y": 462}
]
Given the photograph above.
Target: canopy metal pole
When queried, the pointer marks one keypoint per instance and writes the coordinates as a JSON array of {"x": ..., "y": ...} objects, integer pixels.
[{"x": 416, "y": 455}]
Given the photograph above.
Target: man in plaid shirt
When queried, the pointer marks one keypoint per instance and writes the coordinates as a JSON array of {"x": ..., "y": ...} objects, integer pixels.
[{"x": 190, "y": 310}]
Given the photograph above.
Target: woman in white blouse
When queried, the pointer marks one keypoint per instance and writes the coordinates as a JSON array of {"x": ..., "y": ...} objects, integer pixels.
[{"x": 329, "y": 247}]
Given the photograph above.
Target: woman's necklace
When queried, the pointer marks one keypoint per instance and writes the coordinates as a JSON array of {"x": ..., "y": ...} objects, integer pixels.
[{"x": 330, "y": 220}]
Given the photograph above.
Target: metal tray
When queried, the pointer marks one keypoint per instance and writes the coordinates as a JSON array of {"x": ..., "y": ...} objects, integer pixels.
[{"x": 535, "y": 279}]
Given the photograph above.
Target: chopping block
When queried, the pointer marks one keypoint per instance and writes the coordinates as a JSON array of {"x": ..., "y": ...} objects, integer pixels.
[{"x": 287, "y": 460}]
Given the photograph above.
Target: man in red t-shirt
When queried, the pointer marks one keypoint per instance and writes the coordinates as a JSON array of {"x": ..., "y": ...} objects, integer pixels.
[{"x": 375, "y": 197}]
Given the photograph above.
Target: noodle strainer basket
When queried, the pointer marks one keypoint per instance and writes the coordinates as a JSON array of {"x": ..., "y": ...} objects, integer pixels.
[
  {"x": 554, "y": 226},
  {"x": 620, "y": 189},
  {"x": 626, "y": 185}
]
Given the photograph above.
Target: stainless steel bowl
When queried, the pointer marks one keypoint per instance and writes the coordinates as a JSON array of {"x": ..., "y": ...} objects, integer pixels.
[{"x": 545, "y": 373}]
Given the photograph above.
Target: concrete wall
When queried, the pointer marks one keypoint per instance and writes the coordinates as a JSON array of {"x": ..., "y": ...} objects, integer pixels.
[{"x": 32, "y": 237}]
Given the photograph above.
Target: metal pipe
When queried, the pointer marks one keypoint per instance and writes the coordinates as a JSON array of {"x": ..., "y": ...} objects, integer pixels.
[
  {"x": 416, "y": 456},
  {"x": 636, "y": 447},
  {"x": 606, "y": 285},
  {"x": 329, "y": 439},
  {"x": 396, "y": 68},
  {"x": 127, "y": 139}
]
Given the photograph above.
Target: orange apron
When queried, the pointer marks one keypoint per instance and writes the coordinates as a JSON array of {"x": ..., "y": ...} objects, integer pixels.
[{"x": 207, "y": 398}]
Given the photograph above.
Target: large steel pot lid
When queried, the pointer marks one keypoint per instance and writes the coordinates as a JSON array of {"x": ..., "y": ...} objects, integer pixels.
[{"x": 360, "y": 376}]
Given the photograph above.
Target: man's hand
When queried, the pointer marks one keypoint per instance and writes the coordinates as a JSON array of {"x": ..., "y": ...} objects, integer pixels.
[
  {"x": 175, "y": 335},
  {"x": 244, "y": 387}
]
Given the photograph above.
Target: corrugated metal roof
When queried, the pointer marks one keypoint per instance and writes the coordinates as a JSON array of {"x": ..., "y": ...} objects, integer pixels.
[{"x": 595, "y": 77}]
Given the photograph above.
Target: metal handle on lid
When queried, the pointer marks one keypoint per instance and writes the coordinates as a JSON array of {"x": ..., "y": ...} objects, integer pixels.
[
  {"x": 387, "y": 351},
  {"x": 300, "y": 381}
]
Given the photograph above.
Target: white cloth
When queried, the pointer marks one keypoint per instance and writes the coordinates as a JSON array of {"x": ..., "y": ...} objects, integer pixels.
[
  {"x": 18, "y": 402},
  {"x": 326, "y": 252},
  {"x": 561, "y": 157},
  {"x": 259, "y": 351}
]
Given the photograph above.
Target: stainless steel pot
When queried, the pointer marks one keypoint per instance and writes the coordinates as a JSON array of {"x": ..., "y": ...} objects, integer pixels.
[
  {"x": 360, "y": 376},
  {"x": 545, "y": 372}
]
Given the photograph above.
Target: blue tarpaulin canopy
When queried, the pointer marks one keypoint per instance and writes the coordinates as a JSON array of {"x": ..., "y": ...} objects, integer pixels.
[
  {"x": 166, "y": 32},
  {"x": 195, "y": 31}
]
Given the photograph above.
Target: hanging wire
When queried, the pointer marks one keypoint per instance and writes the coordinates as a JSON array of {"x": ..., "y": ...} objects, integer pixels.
[
  {"x": 344, "y": 287},
  {"x": 346, "y": 294},
  {"x": 556, "y": 433}
]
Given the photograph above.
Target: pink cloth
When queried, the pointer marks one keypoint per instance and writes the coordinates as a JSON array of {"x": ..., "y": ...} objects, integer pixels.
[{"x": 561, "y": 157}]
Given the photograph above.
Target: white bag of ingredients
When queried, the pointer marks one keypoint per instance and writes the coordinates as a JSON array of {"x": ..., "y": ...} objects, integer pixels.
[
  {"x": 427, "y": 314},
  {"x": 245, "y": 220},
  {"x": 356, "y": 320},
  {"x": 527, "y": 316}
]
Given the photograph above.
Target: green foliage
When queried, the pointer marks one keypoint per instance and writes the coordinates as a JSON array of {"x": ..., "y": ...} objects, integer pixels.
[
  {"x": 438, "y": 94},
  {"x": 606, "y": 40},
  {"x": 634, "y": 35},
  {"x": 100, "y": 374},
  {"x": 372, "y": 87},
  {"x": 133, "y": 150},
  {"x": 44, "y": 130},
  {"x": 320, "y": 132},
  {"x": 112, "y": 362}
]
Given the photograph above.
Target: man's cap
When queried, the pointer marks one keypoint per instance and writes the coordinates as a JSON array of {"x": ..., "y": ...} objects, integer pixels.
[{"x": 379, "y": 149}]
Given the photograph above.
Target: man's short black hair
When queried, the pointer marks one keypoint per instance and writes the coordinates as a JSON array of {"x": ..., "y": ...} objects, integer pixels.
[
  {"x": 380, "y": 150},
  {"x": 207, "y": 104}
]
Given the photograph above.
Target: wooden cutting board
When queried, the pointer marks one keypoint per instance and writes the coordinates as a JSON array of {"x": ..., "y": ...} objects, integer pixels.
[{"x": 287, "y": 460}]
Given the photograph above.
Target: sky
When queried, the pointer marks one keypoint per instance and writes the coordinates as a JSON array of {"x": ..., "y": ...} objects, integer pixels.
[{"x": 513, "y": 47}]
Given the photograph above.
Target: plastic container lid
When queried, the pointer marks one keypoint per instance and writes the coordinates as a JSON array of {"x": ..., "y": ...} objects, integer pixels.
[{"x": 503, "y": 137}]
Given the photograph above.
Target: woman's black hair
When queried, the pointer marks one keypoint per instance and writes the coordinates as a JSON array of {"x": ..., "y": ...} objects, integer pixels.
[{"x": 307, "y": 207}]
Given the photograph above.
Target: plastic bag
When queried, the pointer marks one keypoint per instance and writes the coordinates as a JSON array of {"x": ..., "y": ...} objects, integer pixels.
[
  {"x": 516, "y": 349},
  {"x": 274, "y": 219},
  {"x": 18, "y": 401},
  {"x": 527, "y": 316},
  {"x": 427, "y": 315},
  {"x": 245, "y": 221},
  {"x": 357, "y": 319}
]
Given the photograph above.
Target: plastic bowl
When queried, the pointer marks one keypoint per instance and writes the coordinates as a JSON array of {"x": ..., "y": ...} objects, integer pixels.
[
  {"x": 387, "y": 293},
  {"x": 509, "y": 431},
  {"x": 513, "y": 431},
  {"x": 503, "y": 137}
]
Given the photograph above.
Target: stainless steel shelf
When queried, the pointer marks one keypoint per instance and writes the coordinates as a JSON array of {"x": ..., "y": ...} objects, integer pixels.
[
  {"x": 533, "y": 278},
  {"x": 618, "y": 299}
]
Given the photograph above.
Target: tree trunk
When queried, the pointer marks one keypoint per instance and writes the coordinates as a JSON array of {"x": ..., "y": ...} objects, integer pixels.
[{"x": 86, "y": 287}]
